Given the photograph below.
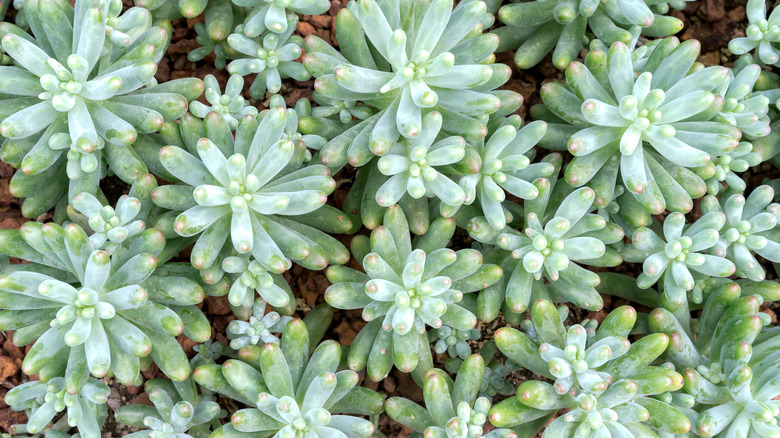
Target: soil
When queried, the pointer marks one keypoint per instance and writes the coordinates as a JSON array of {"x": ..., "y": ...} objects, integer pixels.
[{"x": 713, "y": 22}]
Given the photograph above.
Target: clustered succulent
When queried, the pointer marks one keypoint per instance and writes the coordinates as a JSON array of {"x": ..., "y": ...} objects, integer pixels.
[
  {"x": 676, "y": 256},
  {"x": 750, "y": 228},
  {"x": 452, "y": 409},
  {"x": 73, "y": 105},
  {"x": 608, "y": 382},
  {"x": 406, "y": 288},
  {"x": 271, "y": 59},
  {"x": 761, "y": 35},
  {"x": 605, "y": 268},
  {"x": 178, "y": 411},
  {"x": 294, "y": 388},
  {"x": 536, "y": 28},
  {"x": 84, "y": 408},
  {"x": 231, "y": 105},
  {"x": 258, "y": 329}
]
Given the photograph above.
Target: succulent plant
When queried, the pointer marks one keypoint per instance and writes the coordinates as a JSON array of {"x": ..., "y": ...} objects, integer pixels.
[
  {"x": 750, "y": 228},
  {"x": 605, "y": 380},
  {"x": 505, "y": 158},
  {"x": 231, "y": 105},
  {"x": 276, "y": 15},
  {"x": 406, "y": 118},
  {"x": 740, "y": 159},
  {"x": 258, "y": 330},
  {"x": 89, "y": 312},
  {"x": 272, "y": 58},
  {"x": 253, "y": 190},
  {"x": 137, "y": 202},
  {"x": 577, "y": 358},
  {"x": 54, "y": 431},
  {"x": 611, "y": 209},
  {"x": 627, "y": 408},
  {"x": 730, "y": 316},
  {"x": 18, "y": 6},
  {"x": 535, "y": 28},
  {"x": 773, "y": 94},
  {"x": 768, "y": 290},
  {"x": 491, "y": 301},
  {"x": 413, "y": 166},
  {"x": 344, "y": 111},
  {"x": 208, "y": 353},
  {"x": 110, "y": 227},
  {"x": 741, "y": 107},
  {"x": 436, "y": 60},
  {"x": 294, "y": 389},
  {"x": 452, "y": 409},
  {"x": 576, "y": 362},
  {"x": 674, "y": 253},
  {"x": 753, "y": 411},
  {"x": 409, "y": 174},
  {"x": 723, "y": 373},
  {"x": 494, "y": 380},
  {"x": 208, "y": 46},
  {"x": 85, "y": 407},
  {"x": 179, "y": 411},
  {"x": 292, "y": 128},
  {"x": 329, "y": 118},
  {"x": 489, "y": 17},
  {"x": 528, "y": 326},
  {"x": 4, "y": 58},
  {"x": 748, "y": 111},
  {"x": 406, "y": 288},
  {"x": 123, "y": 27},
  {"x": 761, "y": 35},
  {"x": 70, "y": 99},
  {"x": 559, "y": 230},
  {"x": 212, "y": 33},
  {"x": 454, "y": 342},
  {"x": 653, "y": 129},
  {"x": 249, "y": 276}
]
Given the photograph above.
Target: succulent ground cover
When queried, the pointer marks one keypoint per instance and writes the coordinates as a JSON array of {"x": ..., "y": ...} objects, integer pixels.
[{"x": 389, "y": 218}]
